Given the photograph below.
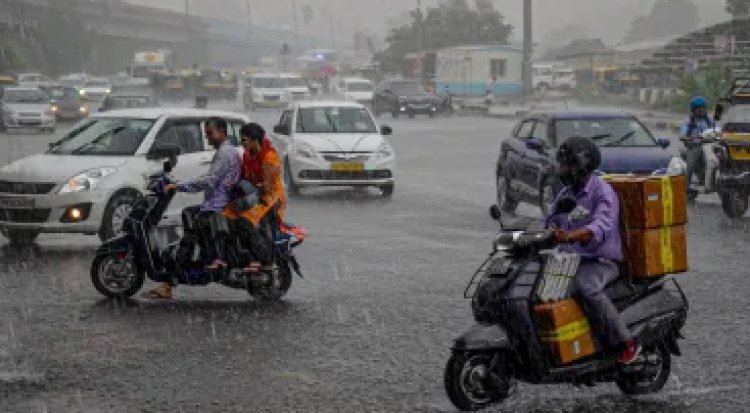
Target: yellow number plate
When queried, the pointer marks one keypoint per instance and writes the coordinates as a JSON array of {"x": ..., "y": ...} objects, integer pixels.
[{"x": 348, "y": 167}]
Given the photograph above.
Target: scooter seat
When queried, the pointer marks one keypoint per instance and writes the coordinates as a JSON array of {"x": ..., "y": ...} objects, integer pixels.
[{"x": 623, "y": 288}]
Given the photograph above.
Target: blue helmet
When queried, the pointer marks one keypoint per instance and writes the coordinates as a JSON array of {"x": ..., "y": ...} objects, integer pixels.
[{"x": 698, "y": 102}]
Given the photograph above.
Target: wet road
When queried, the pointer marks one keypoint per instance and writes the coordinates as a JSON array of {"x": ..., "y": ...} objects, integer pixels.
[{"x": 368, "y": 329}]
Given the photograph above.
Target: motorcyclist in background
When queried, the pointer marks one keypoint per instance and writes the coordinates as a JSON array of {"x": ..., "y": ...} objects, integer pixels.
[{"x": 698, "y": 122}]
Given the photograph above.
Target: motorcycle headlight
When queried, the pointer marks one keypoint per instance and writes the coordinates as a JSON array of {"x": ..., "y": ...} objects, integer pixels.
[
  {"x": 86, "y": 180},
  {"x": 83, "y": 109},
  {"x": 53, "y": 108},
  {"x": 677, "y": 166},
  {"x": 384, "y": 151},
  {"x": 304, "y": 150}
]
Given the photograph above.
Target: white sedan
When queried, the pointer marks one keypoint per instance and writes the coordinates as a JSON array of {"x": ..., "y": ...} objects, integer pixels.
[
  {"x": 86, "y": 182},
  {"x": 334, "y": 143}
]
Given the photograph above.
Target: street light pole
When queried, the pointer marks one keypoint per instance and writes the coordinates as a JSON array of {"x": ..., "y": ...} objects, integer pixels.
[
  {"x": 528, "y": 48},
  {"x": 296, "y": 26}
]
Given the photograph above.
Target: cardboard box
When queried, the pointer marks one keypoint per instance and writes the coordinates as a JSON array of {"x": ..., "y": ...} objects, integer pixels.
[
  {"x": 656, "y": 252},
  {"x": 564, "y": 330},
  {"x": 651, "y": 201}
]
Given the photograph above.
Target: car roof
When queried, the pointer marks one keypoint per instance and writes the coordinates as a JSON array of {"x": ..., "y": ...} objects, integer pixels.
[
  {"x": 356, "y": 79},
  {"x": 580, "y": 115},
  {"x": 12, "y": 88},
  {"x": 155, "y": 113},
  {"x": 329, "y": 103}
]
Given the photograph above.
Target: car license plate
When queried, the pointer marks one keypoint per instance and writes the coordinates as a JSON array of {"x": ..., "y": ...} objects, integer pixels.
[
  {"x": 16, "y": 203},
  {"x": 347, "y": 167},
  {"x": 29, "y": 122}
]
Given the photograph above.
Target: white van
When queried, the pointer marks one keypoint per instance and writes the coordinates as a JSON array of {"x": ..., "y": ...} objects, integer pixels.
[{"x": 357, "y": 89}]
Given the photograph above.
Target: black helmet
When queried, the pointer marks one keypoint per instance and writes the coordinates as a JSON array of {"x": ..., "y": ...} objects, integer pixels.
[{"x": 581, "y": 154}]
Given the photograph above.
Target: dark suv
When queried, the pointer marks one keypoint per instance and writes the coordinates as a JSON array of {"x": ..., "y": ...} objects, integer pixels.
[{"x": 406, "y": 97}]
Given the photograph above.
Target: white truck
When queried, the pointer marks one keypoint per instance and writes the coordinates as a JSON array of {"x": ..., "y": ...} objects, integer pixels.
[
  {"x": 553, "y": 76},
  {"x": 145, "y": 63}
]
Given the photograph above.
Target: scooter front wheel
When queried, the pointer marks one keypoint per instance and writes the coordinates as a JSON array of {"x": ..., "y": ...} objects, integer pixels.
[
  {"x": 470, "y": 383},
  {"x": 116, "y": 278}
]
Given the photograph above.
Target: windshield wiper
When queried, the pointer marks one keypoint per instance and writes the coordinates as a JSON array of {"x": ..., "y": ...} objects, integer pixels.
[
  {"x": 601, "y": 136},
  {"x": 621, "y": 139},
  {"x": 90, "y": 145}
]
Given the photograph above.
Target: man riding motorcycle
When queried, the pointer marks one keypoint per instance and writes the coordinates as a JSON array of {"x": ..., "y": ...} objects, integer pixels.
[
  {"x": 216, "y": 184},
  {"x": 592, "y": 230},
  {"x": 697, "y": 154}
]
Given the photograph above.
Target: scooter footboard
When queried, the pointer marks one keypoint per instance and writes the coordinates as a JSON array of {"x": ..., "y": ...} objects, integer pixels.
[{"x": 482, "y": 337}]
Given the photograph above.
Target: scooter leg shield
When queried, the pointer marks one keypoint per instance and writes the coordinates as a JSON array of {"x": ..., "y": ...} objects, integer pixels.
[{"x": 482, "y": 337}]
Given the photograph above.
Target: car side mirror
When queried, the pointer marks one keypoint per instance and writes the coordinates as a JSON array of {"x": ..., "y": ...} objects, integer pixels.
[
  {"x": 495, "y": 213},
  {"x": 165, "y": 151},
  {"x": 386, "y": 130},
  {"x": 535, "y": 144},
  {"x": 718, "y": 112},
  {"x": 281, "y": 129},
  {"x": 663, "y": 142}
]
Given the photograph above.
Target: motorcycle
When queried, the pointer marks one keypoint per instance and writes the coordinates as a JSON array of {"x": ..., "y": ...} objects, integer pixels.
[
  {"x": 706, "y": 170},
  {"x": 505, "y": 344},
  {"x": 733, "y": 154},
  {"x": 121, "y": 264}
]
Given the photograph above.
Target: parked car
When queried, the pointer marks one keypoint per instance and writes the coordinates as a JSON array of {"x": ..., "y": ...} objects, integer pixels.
[
  {"x": 357, "y": 89},
  {"x": 96, "y": 89},
  {"x": 334, "y": 143},
  {"x": 404, "y": 97},
  {"x": 27, "y": 107},
  {"x": 34, "y": 80},
  {"x": 69, "y": 104},
  {"x": 99, "y": 168},
  {"x": 525, "y": 169}
]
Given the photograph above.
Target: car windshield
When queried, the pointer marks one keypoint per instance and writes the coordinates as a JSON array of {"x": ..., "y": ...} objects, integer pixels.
[
  {"x": 268, "y": 82},
  {"x": 335, "y": 120},
  {"x": 359, "y": 87},
  {"x": 104, "y": 136},
  {"x": 295, "y": 82},
  {"x": 617, "y": 131},
  {"x": 24, "y": 96},
  {"x": 407, "y": 88},
  {"x": 97, "y": 83}
]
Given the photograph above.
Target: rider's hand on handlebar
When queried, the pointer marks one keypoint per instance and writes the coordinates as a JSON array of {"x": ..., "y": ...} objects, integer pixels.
[
  {"x": 170, "y": 188},
  {"x": 561, "y": 236}
]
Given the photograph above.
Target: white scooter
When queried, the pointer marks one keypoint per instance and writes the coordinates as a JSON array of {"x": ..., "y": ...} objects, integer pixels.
[{"x": 709, "y": 165}]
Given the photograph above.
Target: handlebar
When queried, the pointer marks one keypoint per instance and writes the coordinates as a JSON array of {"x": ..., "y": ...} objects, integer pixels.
[{"x": 520, "y": 239}]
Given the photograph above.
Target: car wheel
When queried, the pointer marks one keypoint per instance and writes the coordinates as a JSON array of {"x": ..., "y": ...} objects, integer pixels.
[
  {"x": 20, "y": 236},
  {"x": 387, "y": 190},
  {"x": 734, "y": 203},
  {"x": 504, "y": 198},
  {"x": 291, "y": 188},
  {"x": 117, "y": 210}
]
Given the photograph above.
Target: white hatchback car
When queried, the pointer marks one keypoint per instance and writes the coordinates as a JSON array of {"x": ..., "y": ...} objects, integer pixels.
[
  {"x": 85, "y": 183},
  {"x": 334, "y": 143}
]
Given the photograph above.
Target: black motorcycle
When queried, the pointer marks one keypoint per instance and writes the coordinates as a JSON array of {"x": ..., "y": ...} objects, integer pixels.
[
  {"x": 505, "y": 345},
  {"x": 121, "y": 264}
]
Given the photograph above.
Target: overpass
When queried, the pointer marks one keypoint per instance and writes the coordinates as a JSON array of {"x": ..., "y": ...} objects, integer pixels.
[{"x": 117, "y": 29}]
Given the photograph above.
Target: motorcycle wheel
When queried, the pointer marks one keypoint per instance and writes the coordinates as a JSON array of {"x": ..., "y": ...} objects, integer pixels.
[
  {"x": 115, "y": 278},
  {"x": 468, "y": 381},
  {"x": 734, "y": 204},
  {"x": 277, "y": 288},
  {"x": 648, "y": 374}
]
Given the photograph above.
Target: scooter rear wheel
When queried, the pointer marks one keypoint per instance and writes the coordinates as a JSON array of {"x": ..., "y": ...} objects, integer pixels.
[
  {"x": 278, "y": 286},
  {"x": 648, "y": 374},
  {"x": 115, "y": 278}
]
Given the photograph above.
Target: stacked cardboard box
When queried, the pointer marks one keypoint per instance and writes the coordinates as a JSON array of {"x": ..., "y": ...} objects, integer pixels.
[
  {"x": 654, "y": 213},
  {"x": 564, "y": 330}
]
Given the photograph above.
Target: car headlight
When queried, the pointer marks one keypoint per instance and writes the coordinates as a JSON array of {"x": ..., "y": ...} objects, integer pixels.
[
  {"x": 53, "y": 108},
  {"x": 677, "y": 166},
  {"x": 304, "y": 150},
  {"x": 82, "y": 92},
  {"x": 87, "y": 180},
  {"x": 83, "y": 109},
  {"x": 108, "y": 91},
  {"x": 384, "y": 151}
]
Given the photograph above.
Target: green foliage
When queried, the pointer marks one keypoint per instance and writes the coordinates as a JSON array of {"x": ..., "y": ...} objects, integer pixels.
[
  {"x": 452, "y": 23},
  {"x": 712, "y": 82},
  {"x": 668, "y": 17},
  {"x": 738, "y": 8}
]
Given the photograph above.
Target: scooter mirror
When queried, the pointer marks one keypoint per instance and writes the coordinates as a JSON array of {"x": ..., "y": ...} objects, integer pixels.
[
  {"x": 718, "y": 112},
  {"x": 168, "y": 166}
]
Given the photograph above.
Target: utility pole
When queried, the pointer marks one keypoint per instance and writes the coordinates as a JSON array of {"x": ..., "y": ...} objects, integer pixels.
[
  {"x": 528, "y": 47},
  {"x": 296, "y": 25},
  {"x": 249, "y": 17},
  {"x": 187, "y": 8}
]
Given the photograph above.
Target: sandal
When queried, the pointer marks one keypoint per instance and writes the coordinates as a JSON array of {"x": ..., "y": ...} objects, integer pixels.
[
  {"x": 162, "y": 292},
  {"x": 217, "y": 265}
]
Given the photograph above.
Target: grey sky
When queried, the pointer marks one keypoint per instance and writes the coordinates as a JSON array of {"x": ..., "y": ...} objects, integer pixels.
[{"x": 608, "y": 19}]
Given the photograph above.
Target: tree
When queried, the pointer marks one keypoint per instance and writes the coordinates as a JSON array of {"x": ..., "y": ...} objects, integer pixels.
[
  {"x": 710, "y": 81},
  {"x": 668, "y": 17},
  {"x": 577, "y": 47},
  {"x": 452, "y": 23},
  {"x": 560, "y": 37},
  {"x": 738, "y": 8}
]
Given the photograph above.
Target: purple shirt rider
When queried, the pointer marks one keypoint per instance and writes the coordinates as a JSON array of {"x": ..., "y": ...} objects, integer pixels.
[
  {"x": 217, "y": 183},
  {"x": 598, "y": 210}
]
